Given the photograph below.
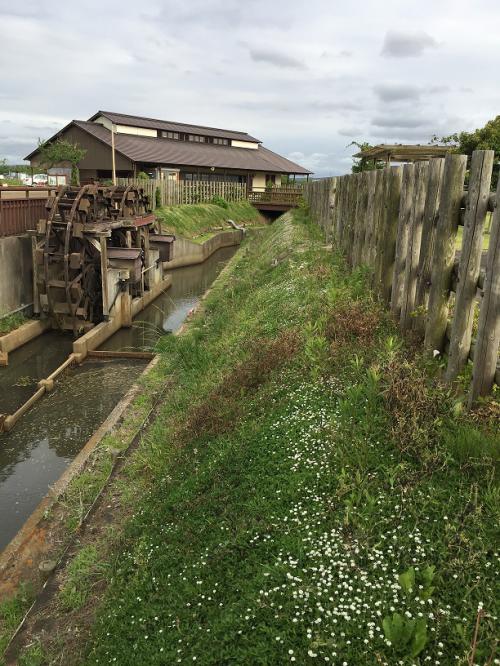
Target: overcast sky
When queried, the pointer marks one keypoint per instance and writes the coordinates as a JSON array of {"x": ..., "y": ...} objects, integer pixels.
[{"x": 305, "y": 77}]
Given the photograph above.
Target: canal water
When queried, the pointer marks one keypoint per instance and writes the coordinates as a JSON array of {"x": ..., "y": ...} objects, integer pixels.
[{"x": 43, "y": 443}]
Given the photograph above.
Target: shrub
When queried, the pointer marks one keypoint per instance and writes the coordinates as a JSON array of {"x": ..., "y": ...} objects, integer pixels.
[
  {"x": 142, "y": 175},
  {"x": 219, "y": 201},
  {"x": 158, "y": 197}
]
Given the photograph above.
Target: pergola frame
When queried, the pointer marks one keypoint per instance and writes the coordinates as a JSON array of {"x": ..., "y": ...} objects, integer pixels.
[{"x": 403, "y": 152}]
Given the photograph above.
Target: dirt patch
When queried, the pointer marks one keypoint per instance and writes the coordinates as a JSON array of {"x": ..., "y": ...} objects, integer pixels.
[
  {"x": 219, "y": 412},
  {"x": 412, "y": 405},
  {"x": 354, "y": 322}
]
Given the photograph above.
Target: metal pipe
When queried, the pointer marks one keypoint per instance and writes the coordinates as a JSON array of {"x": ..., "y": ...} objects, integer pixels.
[{"x": 113, "y": 162}]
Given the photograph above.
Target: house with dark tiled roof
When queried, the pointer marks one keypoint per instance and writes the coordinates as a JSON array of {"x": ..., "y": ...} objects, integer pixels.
[{"x": 171, "y": 150}]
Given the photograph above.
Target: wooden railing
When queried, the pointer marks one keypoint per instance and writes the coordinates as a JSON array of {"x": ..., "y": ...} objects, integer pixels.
[
  {"x": 173, "y": 193},
  {"x": 21, "y": 208},
  {"x": 402, "y": 222},
  {"x": 286, "y": 196}
]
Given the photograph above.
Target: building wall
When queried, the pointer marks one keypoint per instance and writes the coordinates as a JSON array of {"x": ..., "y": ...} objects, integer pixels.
[
  {"x": 259, "y": 182},
  {"x": 244, "y": 144},
  {"x": 137, "y": 131},
  {"x": 98, "y": 155},
  {"x": 104, "y": 121}
]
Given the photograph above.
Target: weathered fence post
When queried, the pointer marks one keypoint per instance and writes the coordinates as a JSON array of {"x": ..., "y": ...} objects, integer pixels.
[
  {"x": 429, "y": 223},
  {"x": 488, "y": 333},
  {"x": 470, "y": 261},
  {"x": 366, "y": 255},
  {"x": 414, "y": 242},
  {"x": 332, "y": 202},
  {"x": 384, "y": 263},
  {"x": 358, "y": 219},
  {"x": 351, "y": 216},
  {"x": 444, "y": 251},
  {"x": 343, "y": 212},
  {"x": 378, "y": 219},
  {"x": 404, "y": 219}
]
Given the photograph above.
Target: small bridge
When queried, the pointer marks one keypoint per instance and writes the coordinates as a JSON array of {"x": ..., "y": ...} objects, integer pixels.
[{"x": 278, "y": 199}]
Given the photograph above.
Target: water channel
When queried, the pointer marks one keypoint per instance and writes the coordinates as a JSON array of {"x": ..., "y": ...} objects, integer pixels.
[{"x": 44, "y": 442}]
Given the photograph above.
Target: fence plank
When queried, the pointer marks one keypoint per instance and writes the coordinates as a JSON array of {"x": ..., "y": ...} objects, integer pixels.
[
  {"x": 444, "y": 251},
  {"x": 488, "y": 335},
  {"x": 342, "y": 210},
  {"x": 361, "y": 214},
  {"x": 384, "y": 265},
  {"x": 404, "y": 219},
  {"x": 414, "y": 242},
  {"x": 429, "y": 223},
  {"x": 359, "y": 220},
  {"x": 378, "y": 217},
  {"x": 470, "y": 261},
  {"x": 366, "y": 257}
]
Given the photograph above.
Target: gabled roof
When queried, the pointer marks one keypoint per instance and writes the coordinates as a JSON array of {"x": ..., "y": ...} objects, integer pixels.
[
  {"x": 153, "y": 150},
  {"x": 170, "y": 126}
]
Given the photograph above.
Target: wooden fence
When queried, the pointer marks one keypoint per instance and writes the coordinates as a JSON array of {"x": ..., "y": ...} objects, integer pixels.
[
  {"x": 285, "y": 195},
  {"x": 402, "y": 222},
  {"x": 173, "y": 193},
  {"x": 21, "y": 208}
]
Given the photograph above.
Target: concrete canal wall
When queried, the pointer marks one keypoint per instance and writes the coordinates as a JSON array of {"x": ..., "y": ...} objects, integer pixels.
[
  {"x": 16, "y": 273},
  {"x": 187, "y": 252}
]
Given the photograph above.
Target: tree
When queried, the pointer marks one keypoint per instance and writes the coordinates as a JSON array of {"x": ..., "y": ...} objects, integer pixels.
[
  {"x": 51, "y": 154},
  {"x": 3, "y": 165},
  {"x": 364, "y": 163},
  {"x": 483, "y": 138}
]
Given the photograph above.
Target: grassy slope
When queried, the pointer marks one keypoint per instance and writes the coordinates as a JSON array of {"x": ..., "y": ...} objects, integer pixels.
[
  {"x": 300, "y": 466},
  {"x": 191, "y": 221}
]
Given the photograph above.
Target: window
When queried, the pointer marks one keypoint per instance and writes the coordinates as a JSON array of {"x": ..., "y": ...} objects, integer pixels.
[
  {"x": 220, "y": 142},
  {"x": 213, "y": 177},
  {"x": 170, "y": 135},
  {"x": 196, "y": 138}
]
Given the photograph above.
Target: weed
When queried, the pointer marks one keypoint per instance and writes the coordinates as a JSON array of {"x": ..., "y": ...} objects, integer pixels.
[
  {"x": 33, "y": 655},
  {"x": 9, "y": 322},
  {"x": 82, "y": 573}
]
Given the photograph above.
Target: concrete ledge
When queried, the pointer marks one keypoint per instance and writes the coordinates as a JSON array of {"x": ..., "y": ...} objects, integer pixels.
[
  {"x": 187, "y": 252},
  {"x": 20, "y": 336}
]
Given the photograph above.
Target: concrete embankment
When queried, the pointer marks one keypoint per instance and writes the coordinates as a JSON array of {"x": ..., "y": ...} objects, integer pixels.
[
  {"x": 16, "y": 273},
  {"x": 187, "y": 252}
]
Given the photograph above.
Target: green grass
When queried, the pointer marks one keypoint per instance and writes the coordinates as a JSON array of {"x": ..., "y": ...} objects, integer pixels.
[
  {"x": 83, "y": 572},
  {"x": 316, "y": 494},
  {"x": 12, "y": 611},
  {"x": 308, "y": 492},
  {"x": 195, "y": 220},
  {"x": 9, "y": 322}
]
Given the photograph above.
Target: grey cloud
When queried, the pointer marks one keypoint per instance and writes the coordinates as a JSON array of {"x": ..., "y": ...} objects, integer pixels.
[
  {"x": 350, "y": 131},
  {"x": 339, "y": 105},
  {"x": 438, "y": 89},
  {"x": 275, "y": 58},
  {"x": 407, "y": 44},
  {"x": 401, "y": 122},
  {"x": 396, "y": 92}
]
